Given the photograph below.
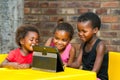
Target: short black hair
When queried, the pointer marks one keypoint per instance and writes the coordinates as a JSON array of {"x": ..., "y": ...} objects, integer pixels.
[
  {"x": 22, "y": 31},
  {"x": 66, "y": 27},
  {"x": 90, "y": 16}
]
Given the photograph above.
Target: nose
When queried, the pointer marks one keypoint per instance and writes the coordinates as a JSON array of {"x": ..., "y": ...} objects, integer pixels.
[
  {"x": 59, "y": 41},
  {"x": 80, "y": 33},
  {"x": 34, "y": 42}
]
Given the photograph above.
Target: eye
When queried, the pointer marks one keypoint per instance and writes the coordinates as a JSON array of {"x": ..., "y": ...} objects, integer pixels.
[
  {"x": 56, "y": 38},
  {"x": 37, "y": 40},
  {"x": 84, "y": 31},
  {"x": 78, "y": 30},
  {"x": 65, "y": 40},
  {"x": 31, "y": 39}
]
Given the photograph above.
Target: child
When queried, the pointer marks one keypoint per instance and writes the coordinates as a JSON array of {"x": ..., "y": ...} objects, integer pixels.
[
  {"x": 63, "y": 34},
  {"x": 93, "y": 54},
  {"x": 21, "y": 58}
]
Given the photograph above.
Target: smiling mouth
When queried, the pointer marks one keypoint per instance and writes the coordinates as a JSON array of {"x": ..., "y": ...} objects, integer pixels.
[
  {"x": 82, "y": 38},
  {"x": 32, "y": 45},
  {"x": 59, "y": 46}
]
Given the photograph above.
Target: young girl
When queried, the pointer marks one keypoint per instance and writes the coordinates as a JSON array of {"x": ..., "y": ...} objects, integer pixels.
[
  {"x": 21, "y": 58},
  {"x": 63, "y": 34},
  {"x": 93, "y": 53}
]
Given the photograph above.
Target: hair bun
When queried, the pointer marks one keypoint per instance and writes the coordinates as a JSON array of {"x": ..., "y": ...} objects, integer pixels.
[{"x": 60, "y": 20}]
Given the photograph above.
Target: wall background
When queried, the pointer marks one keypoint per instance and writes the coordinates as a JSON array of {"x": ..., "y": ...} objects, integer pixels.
[
  {"x": 45, "y": 13},
  {"x": 11, "y": 16}
]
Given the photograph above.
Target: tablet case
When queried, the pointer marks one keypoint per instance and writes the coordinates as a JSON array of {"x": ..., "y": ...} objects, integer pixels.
[{"x": 46, "y": 59}]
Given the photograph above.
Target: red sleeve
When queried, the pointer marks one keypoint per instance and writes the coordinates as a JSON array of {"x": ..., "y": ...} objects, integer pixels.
[{"x": 11, "y": 56}]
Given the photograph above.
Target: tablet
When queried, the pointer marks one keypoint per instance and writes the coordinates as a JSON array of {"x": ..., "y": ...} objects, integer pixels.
[{"x": 46, "y": 59}]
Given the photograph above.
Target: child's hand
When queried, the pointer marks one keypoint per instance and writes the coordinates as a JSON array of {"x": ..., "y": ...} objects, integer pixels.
[
  {"x": 12, "y": 65},
  {"x": 65, "y": 65},
  {"x": 23, "y": 66}
]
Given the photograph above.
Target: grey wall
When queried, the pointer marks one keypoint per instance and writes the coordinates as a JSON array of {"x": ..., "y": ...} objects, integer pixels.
[{"x": 11, "y": 16}]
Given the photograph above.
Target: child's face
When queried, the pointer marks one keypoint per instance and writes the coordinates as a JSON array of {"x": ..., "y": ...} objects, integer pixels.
[
  {"x": 30, "y": 40},
  {"x": 61, "y": 39},
  {"x": 86, "y": 31}
]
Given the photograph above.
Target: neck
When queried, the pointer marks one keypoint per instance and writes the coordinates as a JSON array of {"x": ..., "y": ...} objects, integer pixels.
[
  {"x": 91, "y": 40},
  {"x": 24, "y": 52},
  {"x": 61, "y": 51}
]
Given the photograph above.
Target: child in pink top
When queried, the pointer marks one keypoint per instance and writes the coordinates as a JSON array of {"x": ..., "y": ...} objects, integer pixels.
[
  {"x": 21, "y": 58},
  {"x": 61, "y": 40}
]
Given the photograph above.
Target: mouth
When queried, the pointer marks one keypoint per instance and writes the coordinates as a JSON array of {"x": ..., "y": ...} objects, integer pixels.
[
  {"x": 32, "y": 45},
  {"x": 59, "y": 46},
  {"x": 82, "y": 38}
]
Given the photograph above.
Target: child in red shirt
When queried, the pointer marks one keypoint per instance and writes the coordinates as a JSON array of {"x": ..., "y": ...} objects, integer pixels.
[{"x": 21, "y": 58}]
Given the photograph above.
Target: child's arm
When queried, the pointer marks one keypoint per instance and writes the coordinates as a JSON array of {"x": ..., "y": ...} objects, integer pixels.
[
  {"x": 78, "y": 61},
  {"x": 24, "y": 66},
  {"x": 8, "y": 64},
  {"x": 48, "y": 42},
  {"x": 72, "y": 55},
  {"x": 101, "y": 49},
  {"x": 14, "y": 65}
]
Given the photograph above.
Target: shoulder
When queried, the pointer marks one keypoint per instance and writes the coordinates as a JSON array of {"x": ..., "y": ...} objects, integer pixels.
[
  {"x": 81, "y": 45},
  {"x": 14, "y": 52},
  {"x": 101, "y": 47},
  {"x": 48, "y": 42},
  {"x": 72, "y": 49},
  {"x": 50, "y": 38},
  {"x": 101, "y": 44}
]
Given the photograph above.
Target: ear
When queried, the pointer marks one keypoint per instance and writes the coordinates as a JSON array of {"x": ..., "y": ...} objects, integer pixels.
[
  {"x": 21, "y": 41},
  {"x": 95, "y": 30}
]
